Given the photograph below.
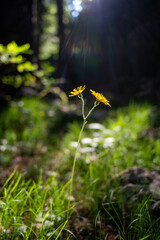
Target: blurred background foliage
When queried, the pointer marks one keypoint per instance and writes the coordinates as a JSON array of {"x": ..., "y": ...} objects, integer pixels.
[
  {"x": 112, "y": 45},
  {"x": 49, "y": 46}
]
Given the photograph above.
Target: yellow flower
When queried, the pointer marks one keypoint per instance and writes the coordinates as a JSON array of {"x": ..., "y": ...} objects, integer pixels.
[
  {"x": 77, "y": 91},
  {"x": 100, "y": 98}
]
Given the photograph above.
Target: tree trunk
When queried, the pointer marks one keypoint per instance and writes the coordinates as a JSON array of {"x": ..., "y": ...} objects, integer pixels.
[
  {"x": 37, "y": 10},
  {"x": 61, "y": 64}
]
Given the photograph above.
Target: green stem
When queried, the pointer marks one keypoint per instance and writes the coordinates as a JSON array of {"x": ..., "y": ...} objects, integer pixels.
[
  {"x": 95, "y": 105},
  {"x": 79, "y": 139},
  {"x": 83, "y": 107},
  {"x": 74, "y": 164}
]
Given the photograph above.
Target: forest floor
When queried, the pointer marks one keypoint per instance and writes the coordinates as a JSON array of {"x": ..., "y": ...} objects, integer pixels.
[{"x": 124, "y": 140}]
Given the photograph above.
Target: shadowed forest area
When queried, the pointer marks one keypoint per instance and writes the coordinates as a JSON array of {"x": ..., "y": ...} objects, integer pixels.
[{"x": 80, "y": 119}]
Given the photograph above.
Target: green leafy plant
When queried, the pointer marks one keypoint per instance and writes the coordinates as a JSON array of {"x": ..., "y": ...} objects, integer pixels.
[
  {"x": 14, "y": 55},
  {"x": 22, "y": 72}
]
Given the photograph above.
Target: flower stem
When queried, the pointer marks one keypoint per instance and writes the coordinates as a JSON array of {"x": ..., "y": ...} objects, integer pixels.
[
  {"x": 83, "y": 107},
  {"x": 94, "y": 106},
  {"x": 79, "y": 139},
  {"x": 74, "y": 164}
]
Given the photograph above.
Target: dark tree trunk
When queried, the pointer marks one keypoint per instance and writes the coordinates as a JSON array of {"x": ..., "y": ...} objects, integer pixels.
[
  {"x": 16, "y": 21},
  {"x": 37, "y": 11},
  {"x": 108, "y": 73},
  {"x": 61, "y": 65}
]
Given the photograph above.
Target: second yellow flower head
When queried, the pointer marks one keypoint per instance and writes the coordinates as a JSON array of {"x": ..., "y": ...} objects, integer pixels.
[{"x": 100, "y": 98}]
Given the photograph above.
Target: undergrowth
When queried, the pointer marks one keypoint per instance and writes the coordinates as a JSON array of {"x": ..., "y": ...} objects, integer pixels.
[{"x": 38, "y": 210}]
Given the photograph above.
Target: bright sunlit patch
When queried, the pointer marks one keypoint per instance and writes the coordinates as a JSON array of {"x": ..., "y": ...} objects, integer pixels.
[
  {"x": 86, "y": 141},
  {"x": 75, "y": 7},
  {"x": 74, "y": 144},
  {"x": 87, "y": 149},
  {"x": 3, "y": 148},
  {"x": 95, "y": 126},
  {"x": 75, "y": 14},
  {"x": 108, "y": 142}
]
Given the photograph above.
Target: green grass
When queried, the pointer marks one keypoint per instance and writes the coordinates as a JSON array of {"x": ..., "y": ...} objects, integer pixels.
[
  {"x": 38, "y": 209},
  {"x": 31, "y": 210},
  {"x": 138, "y": 225}
]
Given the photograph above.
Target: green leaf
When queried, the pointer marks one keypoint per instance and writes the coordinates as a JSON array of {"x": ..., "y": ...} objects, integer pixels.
[
  {"x": 17, "y": 59},
  {"x": 2, "y": 48},
  {"x": 12, "y": 48},
  {"x": 145, "y": 237},
  {"x": 20, "y": 68}
]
